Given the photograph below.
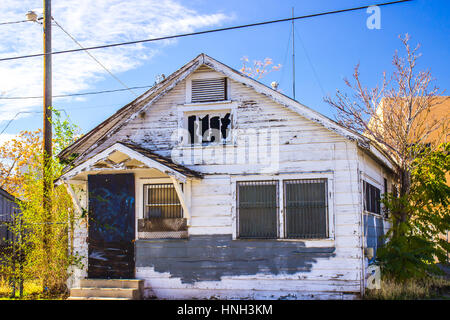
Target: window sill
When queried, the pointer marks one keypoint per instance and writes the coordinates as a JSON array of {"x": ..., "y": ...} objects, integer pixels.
[
  {"x": 313, "y": 243},
  {"x": 209, "y": 146},
  {"x": 378, "y": 215},
  {"x": 194, "y": 104},
  {"x": 162, "y": 225}
]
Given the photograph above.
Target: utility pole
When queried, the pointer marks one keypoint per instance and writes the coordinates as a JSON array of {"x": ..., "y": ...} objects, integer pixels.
[
  {"x": 293, "y": 55},
  {"x": 47, "y": 132}
]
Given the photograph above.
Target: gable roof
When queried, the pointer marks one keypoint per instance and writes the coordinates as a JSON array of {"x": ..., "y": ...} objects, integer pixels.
[
  {"x": 131, "y": 152},
  {"x": 127, "y": 113}
]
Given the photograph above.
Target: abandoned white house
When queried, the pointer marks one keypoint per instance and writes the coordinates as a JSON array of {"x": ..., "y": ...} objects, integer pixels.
[{"x": 212, "y": 184}]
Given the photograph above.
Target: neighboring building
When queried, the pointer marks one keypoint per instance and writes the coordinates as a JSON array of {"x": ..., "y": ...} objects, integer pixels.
[
  {"x": 212, "y": 185},
  {"x": 7, "y": 209},
  {"x": 439, "y": 113}
]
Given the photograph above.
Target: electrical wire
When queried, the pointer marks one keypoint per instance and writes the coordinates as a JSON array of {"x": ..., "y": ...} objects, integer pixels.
[
  {"x": 14, "y": 118},
  {"x": 203, "y": 32},
  {"x": 75, "y": 94},
  {"x": 13, "y": 22},
  {"x": 94, "y": 58}
]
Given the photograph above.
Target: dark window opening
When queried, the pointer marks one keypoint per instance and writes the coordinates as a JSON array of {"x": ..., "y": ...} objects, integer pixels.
[
  {"x": 257, "y": 209},
  {"x": 161, "y": 201},
  {"x": 371, "y": 198},
  {"x": 306, "y": 208},
  {"x": 209, "y": 128}
]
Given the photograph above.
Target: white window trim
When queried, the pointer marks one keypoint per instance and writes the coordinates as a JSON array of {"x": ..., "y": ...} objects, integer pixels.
[
  {"x": 330, "y": 241},
  {"x": 139, "y": 190},
  {"x": 375, "y": 183},
  {"x": 183, "y": 111},
  {"x": 205, "y": 75}
]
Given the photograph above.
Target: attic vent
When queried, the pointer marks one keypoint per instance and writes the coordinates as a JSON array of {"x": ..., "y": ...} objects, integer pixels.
[{"x": 204, "y": 90}]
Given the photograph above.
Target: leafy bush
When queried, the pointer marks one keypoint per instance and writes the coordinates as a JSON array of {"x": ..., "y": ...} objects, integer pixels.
[{"x": 415, "y": 244}]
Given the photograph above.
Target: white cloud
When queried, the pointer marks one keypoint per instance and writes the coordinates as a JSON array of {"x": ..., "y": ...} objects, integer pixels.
[{"x": 91, "y": 23}]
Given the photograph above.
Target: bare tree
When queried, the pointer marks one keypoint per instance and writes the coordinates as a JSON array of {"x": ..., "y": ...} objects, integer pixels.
[{"x": 396, "y": 115}]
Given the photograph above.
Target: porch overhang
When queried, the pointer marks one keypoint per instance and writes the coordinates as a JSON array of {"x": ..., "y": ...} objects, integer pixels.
[{"x": 127, "y": 157}]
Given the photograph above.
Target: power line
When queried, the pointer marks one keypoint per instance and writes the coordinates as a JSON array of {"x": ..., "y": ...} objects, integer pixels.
[
  {"x": 75, "y": 94},
  {"x": 94, "y": 58},
  {"x": 20, "y": 112},
  {"x": 203, "y": 32},
  {"x": 11, "y": 120},
  {"x": 13, "y": 22}
]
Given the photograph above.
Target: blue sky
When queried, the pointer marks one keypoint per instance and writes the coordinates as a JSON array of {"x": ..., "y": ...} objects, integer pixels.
[{"x": 334, "y": 45}]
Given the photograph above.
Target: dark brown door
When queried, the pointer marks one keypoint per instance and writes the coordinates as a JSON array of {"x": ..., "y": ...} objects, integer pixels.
[{"x": 111, "y": 226}]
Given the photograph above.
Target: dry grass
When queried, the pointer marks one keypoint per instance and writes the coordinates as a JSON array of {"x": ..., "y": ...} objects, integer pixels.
[
  {"x": 430, "y": 288},
  {"x": 32, "y": 290}
]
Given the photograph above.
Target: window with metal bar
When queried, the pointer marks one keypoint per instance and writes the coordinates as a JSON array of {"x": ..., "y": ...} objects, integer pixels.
[
  {"x": 306, "y": 208},
  {"x": 372, "y": 198},
  {"x": 161, "y": 201},
  {"x": 257, "y": 205}
]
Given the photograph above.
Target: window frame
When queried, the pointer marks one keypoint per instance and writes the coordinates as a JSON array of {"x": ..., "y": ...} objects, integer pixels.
[
  {"x": 364, "y": 203},
  {"x": 145, "y": 205},
  {"x": 277, "y": 216},
  {"x": 214, "y": 112},
  {"x": 327, "y": 200},
  {"x": 186, "y": 110},
  {"x": 141, "y": 178},
  {"x": 206, "y": 76},
  {"x": 328, "y": 175}
]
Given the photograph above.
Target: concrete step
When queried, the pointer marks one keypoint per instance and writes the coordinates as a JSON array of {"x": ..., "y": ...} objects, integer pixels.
[
  {"x": 112, "y": 283},
  {"x": 108, "y": 289},
  {"x": 97, "y": 298},
  {"x": 105, "y": 292}
]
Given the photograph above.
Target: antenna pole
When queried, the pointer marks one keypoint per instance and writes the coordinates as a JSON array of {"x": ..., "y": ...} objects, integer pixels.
[{"x": 293, "y": 55}]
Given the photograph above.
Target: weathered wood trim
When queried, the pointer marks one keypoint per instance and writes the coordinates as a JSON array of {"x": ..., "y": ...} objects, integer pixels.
[
  {"x": 88, "y": 164},
  {"x": 182, "y": 198},
  {"x": 75, "y": 201}
]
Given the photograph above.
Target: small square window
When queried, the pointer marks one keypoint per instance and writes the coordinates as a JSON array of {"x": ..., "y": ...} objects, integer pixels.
[
  {"x": 161, "y": 201},
  {"x": 209, "y": 127},
  {"x": 208, "y": 90}
]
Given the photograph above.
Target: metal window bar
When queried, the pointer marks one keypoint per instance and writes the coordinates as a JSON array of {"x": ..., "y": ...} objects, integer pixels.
[
  {"x": 306, "y": 207},
  {"x": 372, "y": 198},
  {"x": 257, "y": 207},
  {"x": 161, "y": 201}
]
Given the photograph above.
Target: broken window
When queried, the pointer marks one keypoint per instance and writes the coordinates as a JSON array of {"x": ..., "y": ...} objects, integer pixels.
[
  {"x": 209, "y": 128},
  {"x": 161, "y": 201},
  {"x": 371, "y": 198}
]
